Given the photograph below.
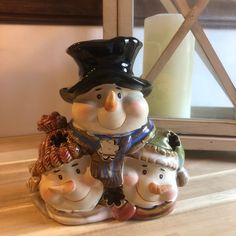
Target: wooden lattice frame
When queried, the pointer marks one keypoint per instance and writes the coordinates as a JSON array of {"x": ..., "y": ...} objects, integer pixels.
[{"x": 196, "y": 134}]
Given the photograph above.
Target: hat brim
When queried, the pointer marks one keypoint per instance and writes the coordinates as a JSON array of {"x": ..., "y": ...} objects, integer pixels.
[{"x": 105, "y": 77}]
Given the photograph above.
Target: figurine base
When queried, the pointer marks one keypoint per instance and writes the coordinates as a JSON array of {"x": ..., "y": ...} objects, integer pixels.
[
  {"x": 157, "y": 212},
  {"x": 98, "y": 214},
  {"x": 131, "y": 212}
]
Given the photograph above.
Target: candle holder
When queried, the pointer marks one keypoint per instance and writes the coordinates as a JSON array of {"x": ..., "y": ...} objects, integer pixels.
[{"x": 109, "y": 160}]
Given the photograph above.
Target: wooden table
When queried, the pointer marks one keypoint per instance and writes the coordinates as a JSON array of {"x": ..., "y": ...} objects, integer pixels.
[{"x": 206, "y": 206}]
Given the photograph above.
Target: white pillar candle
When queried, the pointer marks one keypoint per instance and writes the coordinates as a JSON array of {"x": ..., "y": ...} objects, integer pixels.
[{"x": 171, "y": 94}]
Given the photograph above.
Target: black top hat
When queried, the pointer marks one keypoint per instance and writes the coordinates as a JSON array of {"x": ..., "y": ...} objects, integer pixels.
[{"x": 105, "y": 62}]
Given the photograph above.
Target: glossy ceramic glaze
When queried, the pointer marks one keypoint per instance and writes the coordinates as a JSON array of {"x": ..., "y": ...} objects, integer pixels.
[
  {"x": 71, "y": 187},
  {"x": 110, "y": 109},
  {"x": 109, "y": 160},
  {"x": 148, "y": 185}
]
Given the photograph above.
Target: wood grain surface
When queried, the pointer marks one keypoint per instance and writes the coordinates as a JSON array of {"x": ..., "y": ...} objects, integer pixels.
[{"x": 206, "y": 206}]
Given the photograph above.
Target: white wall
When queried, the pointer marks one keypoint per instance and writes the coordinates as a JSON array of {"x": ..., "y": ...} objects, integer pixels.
[{"x": 33, "y": 67}]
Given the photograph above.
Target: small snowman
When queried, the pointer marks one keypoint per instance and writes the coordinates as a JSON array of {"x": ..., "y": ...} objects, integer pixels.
[
  {"x": 109, "y": 109},
  {"x": 61, "y": 182},
  {"x": 152, "y": 177}
]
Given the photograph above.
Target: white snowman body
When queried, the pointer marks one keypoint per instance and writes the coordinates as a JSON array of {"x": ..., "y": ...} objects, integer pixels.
[
  {"x": 149, "y": 184},
  {"x": 70, "y": 187},
  {"x": 110, "y": 109}
]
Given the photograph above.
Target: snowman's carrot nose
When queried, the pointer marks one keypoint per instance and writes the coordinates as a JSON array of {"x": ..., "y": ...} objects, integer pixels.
[
  {"x": 154, "y": 188},
  {"x": 64, "y": 188},
  {"x": 159, "y": 189},
  {"x": 110, "y": 102}
]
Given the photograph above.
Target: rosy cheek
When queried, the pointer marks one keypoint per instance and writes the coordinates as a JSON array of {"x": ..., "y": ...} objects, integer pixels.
[
  {"x": 169, "y": 195},
  {"x": 135, "y": 107},
  {"x": 49, "y": 196},
  {"x": 130, "y": 179},
  {"x": 83, "y": 112}
]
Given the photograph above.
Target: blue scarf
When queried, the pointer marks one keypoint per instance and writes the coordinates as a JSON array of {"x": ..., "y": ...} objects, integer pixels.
[
  {"x": 108, "y": 151},
  {"x": 125, "y": 141}
]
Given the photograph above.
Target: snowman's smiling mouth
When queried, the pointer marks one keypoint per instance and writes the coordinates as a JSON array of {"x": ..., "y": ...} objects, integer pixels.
[
  {"x": 79, "y": 200},
  {"x": 111, "y": 120},
  {"x": 140, "y": 195}
]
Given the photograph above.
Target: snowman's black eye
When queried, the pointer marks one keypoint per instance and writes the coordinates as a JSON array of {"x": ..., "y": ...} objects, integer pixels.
[
  {"x": 119, "y": 95},
  {"x": 60, "y": 177},
  {"x": 77, "y": 171},
  {"x": 99, "y": 96},
  {"x": 144, "y": 172},
  {"x": 161, "y": 176}
]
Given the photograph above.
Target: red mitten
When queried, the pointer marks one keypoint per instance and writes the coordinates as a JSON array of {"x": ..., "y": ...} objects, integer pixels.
[{"x": 125, "y": 212}]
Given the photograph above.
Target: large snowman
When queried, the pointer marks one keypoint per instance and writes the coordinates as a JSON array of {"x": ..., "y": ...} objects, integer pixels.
[
  {"x": 109, "y": 159},
  {"x": 109, "y": 109}
]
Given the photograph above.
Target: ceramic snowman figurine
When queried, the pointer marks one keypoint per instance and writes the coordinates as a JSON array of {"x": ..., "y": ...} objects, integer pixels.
[
  {"x": 109, "y": 159},
  {"x": 109, "y": 110},
  {"x": 152, "y": 177},
  {"x": 61, "y": 180}
]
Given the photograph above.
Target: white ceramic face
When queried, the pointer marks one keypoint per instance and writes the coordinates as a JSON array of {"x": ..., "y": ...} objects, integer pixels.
[
  {"x": 71, "y": 187},
  {"x": 110, "y": 109},
  {"x": 147, "y": 184}
]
